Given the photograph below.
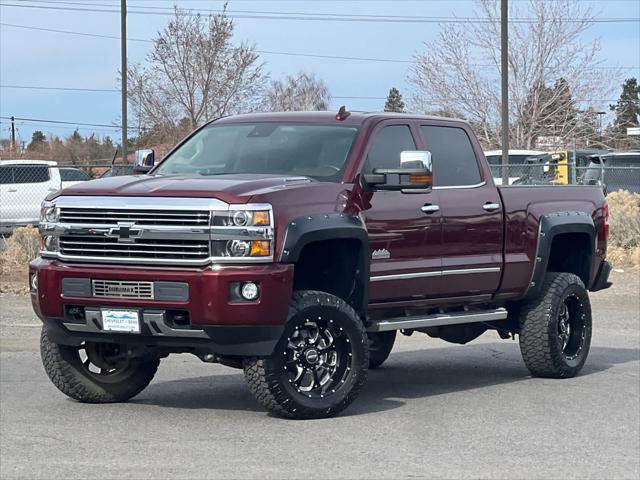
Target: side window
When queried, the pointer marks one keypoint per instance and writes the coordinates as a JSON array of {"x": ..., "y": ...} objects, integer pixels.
[
  {"x": 31, "y": 174},
  {"x": 387, "y": 145},
  {"x": 6, "y": 175},
  {"x": 71, "y": 175},
  {"x": 454, "y": 162}
]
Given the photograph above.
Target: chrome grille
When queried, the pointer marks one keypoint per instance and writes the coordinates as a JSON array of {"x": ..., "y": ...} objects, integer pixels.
[
  {"x": 122, "y": 289},
  {"x": 144, "y": 249},
  {"x": 99, "y": 216}
]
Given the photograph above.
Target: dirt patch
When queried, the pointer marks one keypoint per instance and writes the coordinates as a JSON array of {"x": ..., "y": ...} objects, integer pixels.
[{"x": 15, "y": 282}]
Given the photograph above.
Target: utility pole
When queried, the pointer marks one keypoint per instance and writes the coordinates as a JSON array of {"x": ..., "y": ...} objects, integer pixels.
[
  {"x": 13, "y": 133},
  {"x": 123, "y": 74},
  {"x": 504, "y": 54}
]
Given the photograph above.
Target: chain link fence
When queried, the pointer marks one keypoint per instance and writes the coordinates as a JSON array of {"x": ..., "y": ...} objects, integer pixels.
[
  {"x": 25, "y": 184},
  {"x": 611, "y": 178}
]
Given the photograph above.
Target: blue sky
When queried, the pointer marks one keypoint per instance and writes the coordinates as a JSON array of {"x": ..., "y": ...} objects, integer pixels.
[{"x": 40, "y": 58}]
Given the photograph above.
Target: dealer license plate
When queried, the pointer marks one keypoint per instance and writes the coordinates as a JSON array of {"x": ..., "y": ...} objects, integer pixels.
[{"x": 120, "y": 321}]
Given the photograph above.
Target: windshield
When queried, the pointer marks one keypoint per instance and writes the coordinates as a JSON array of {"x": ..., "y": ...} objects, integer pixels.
[{"x": 316, "y": 151}]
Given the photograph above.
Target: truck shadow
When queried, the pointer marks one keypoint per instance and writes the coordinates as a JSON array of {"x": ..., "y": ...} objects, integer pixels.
[{"x": 406, "y": 375}]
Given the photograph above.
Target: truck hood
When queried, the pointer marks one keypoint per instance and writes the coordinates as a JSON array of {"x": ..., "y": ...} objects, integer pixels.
[{"x": 231, "y": 188}]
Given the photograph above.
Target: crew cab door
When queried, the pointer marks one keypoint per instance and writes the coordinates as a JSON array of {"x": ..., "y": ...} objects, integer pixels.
[
  {"x": 472, "y": 213},
  {"x": 404, "y": 233}
]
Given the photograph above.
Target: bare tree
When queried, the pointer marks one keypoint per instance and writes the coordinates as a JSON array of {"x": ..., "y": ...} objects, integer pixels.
[
  {"x": 302, "y": 92},
  {"x": 551, "y": 71},
  {"x": 194, "y": 74}
]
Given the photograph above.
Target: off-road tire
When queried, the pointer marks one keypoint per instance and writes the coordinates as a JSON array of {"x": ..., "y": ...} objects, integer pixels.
[
  {"x": 64, "y": 367},
  {"x": 268, "y": 381},
  {"x": 380, "y": 346},
  {"x": 541, "y": 348}
]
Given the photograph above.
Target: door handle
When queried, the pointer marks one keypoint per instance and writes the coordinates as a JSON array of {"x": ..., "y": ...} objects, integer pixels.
[
  {"x": 430, "y": 208},
  {"x": 12, "y": 191},
  {"x": 491, "y": 206}
]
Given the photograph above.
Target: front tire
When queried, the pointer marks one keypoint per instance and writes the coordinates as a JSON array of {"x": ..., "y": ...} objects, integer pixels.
[
  {"x": 96, "y": 372},
  {"x": 555, "y": 329},
  {"x": 319, "y": 365}
]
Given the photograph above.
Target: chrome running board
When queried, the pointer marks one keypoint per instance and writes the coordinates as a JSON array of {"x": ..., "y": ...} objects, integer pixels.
[{"x": 436, "y": 320}]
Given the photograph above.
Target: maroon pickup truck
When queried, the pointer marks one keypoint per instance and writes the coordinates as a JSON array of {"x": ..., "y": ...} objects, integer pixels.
[{"x": 296, "y": 245}]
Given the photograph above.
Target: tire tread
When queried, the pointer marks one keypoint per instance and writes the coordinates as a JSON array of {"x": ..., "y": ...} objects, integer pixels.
[
  {"x": 540, "y": 357},
  {"x": 265, "y": 384},
  {"x": 66, "y": 377}
]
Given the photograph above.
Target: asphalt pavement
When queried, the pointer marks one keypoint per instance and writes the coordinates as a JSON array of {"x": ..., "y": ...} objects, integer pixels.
[{"x": 434, "y": 410}]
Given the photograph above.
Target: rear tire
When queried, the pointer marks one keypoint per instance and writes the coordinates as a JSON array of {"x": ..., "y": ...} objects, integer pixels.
[
  {"x": 95, "y": 372},
  {"x": 555, "y": 329},
  {"x": 319, "y": 365},
  {"x": 380, "y": 346}
]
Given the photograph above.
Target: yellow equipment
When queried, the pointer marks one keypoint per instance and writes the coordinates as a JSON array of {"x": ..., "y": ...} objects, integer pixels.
[{"x": 559, "y": 167}]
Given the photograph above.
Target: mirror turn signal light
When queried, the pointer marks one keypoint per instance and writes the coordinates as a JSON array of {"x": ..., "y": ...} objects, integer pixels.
[{"x": 421, "y": 179}]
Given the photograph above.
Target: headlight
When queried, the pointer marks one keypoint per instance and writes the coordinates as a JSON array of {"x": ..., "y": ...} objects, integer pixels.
[
  {"x": 240, "y": 248},
  {"x": 50, "y": 243},
  {"x": 243, "y": 231},
  {"x": 49, "y": 213},
  {"x": 242, "y": 218}
]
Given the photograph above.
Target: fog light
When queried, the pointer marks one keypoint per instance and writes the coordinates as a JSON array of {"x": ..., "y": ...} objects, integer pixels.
[
  {"x": 249, "y": 291},
  {"x": 51, "y": 243},
  {"x": 33, "y": 282}
]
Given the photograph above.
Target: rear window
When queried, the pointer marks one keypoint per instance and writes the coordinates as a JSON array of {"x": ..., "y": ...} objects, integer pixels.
[{"x": 24, "y": 174}]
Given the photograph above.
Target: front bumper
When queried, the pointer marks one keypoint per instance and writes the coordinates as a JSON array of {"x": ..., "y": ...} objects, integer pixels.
[{"x": 217, "y": 323}]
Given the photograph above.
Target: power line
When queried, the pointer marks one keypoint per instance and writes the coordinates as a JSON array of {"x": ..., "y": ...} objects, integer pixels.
[
  {"x": 69, "y": 89},
  {"x": 68, "y": 32},
  {"x": 272, "y": 52},
  {"x": 62, "y": 122},
  {"x": 334, "y": 97},
  {"x": 266, "y": 15}
]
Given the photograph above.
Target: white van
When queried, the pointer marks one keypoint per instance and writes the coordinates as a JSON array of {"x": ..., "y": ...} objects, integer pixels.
[{"x": 24, "y": 184}]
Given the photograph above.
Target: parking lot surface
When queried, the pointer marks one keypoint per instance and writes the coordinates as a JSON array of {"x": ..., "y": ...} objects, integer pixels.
[{"x": 434, "y": 410}]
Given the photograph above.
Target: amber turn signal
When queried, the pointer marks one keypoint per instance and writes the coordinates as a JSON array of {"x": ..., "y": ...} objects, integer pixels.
[
  {"x": 421, "y": 179},
  {"x": 260, "y": 248},
  {"x": 261, "y": 218}
]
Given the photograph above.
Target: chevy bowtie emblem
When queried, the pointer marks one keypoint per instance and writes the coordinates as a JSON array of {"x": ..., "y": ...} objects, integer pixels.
[{"x": 125, "y": 232}]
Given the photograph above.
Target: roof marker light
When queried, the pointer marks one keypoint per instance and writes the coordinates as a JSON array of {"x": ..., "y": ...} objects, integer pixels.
[{"x": 342, "y": 113}]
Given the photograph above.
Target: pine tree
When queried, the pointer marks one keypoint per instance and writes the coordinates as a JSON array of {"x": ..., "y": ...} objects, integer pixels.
[
  {"x": 38, "y": 141},
  {"x": 394, "y": 101},
  {"x": 627, "y": 111}
]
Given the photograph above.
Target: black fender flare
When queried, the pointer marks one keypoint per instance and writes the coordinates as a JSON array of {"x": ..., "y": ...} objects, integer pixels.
[
  {"x": 552, "y": 225},
  {"x": 302, "y": 231}
]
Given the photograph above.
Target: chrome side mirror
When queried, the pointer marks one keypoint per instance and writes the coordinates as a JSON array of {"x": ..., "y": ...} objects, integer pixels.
[
  {"x": 144, "y": 161},
  {"x": 414, "y": 175},
  {"x": 416, "y": 159}
]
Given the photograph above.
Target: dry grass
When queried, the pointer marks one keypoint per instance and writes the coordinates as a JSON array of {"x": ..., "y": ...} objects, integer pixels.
[
  {"x": 21, "y": 247},
  {"x": 624, "y": 237},
  {"x": 623, "y": 249}
]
